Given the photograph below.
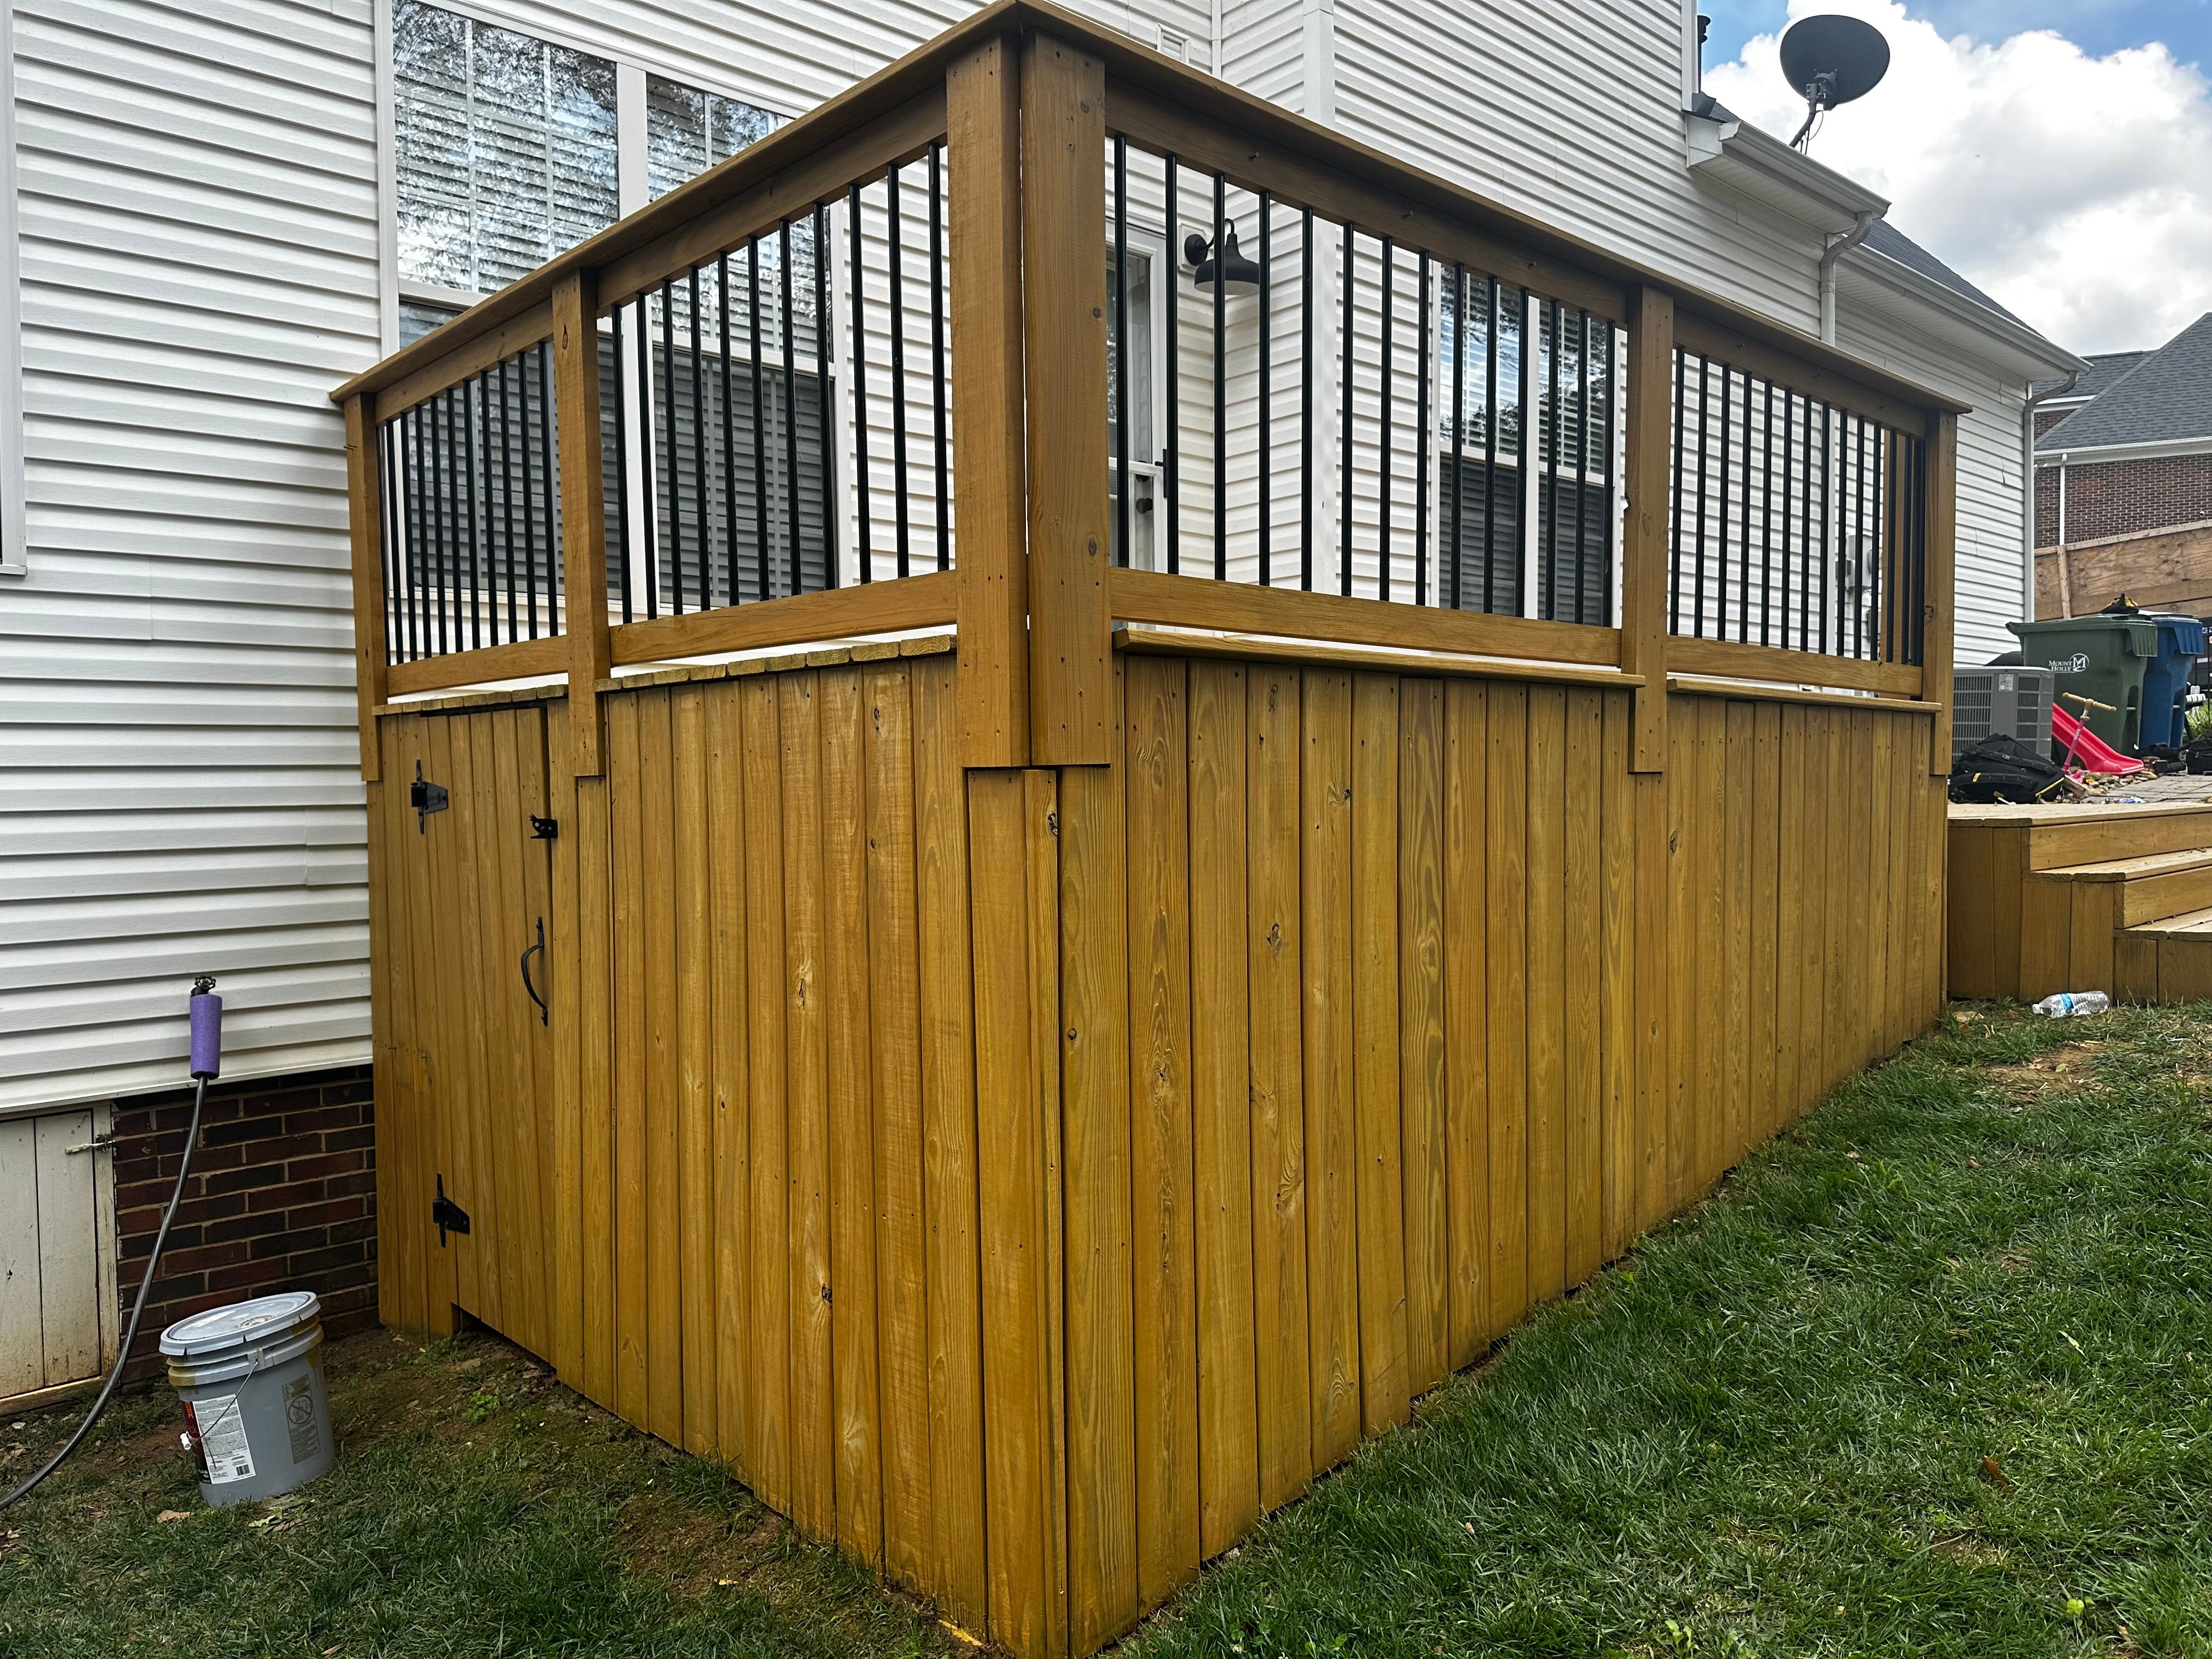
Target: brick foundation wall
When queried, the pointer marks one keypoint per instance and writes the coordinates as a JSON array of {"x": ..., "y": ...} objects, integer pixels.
[
  {"x": 282, "y": 1197},
  {"x": 2123, "y": 498}
]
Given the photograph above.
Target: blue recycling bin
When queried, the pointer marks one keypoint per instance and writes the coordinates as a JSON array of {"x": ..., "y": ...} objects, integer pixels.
[{"x": 2166, "y": 677}]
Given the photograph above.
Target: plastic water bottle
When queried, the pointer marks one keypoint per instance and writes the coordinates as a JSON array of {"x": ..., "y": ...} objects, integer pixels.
[{"x": 2065, "y": 1005}]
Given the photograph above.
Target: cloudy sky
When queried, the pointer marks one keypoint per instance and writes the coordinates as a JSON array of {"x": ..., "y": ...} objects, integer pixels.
[{"x": 2058, "y": 153}]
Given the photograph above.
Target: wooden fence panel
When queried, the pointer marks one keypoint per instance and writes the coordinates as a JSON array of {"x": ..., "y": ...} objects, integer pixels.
[{"x": 1273, "y": 1069}]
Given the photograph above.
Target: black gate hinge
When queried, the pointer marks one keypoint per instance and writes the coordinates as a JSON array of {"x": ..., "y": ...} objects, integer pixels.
[
  {"x": 449, "y": 1215},
  {"x": 425, "y": 799}
]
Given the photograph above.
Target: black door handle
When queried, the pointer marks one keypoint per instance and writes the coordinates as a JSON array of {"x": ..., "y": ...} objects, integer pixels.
[{"x": 545, "y": 1014}]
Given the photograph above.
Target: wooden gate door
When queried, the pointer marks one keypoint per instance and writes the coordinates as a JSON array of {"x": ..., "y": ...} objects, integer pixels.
[{"x": 469, "y": 855}]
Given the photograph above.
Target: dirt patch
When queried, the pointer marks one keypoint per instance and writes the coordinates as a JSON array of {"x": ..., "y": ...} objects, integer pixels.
[
  {"x": 1970, "y": 1551},
  {"x": 694, "y": 1549},
  {"x": 2075, "y": 1064}
]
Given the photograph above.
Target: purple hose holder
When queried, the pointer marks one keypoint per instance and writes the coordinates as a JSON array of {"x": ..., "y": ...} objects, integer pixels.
[{"x": 207, "y": 1033}]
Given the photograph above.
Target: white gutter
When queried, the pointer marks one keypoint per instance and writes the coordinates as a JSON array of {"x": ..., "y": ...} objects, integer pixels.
[
  {"x": 1839, "y": 246},
  {"x": 2035, "y": 400}
]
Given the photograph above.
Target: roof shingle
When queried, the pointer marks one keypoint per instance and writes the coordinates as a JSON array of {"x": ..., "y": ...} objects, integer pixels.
[{"x": 2161, "y": 397}]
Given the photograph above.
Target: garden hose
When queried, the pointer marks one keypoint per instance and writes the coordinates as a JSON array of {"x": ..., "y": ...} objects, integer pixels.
[{"x": 207, "y": 1062}]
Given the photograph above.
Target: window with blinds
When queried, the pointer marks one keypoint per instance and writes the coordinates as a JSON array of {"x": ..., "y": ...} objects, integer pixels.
[
  {"x": 687, "y": 130},
  {"x": 507, "y": 149}
]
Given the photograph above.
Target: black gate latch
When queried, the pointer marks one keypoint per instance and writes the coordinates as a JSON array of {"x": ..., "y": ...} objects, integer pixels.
[
  {"x": 544, "y": 829},
  {"x": 425, "y": 799},
  {"x": 449, "y": 1215}
]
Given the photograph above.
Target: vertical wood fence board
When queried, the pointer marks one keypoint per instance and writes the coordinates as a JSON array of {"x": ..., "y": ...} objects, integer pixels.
[
  {"x": 848, "y": 1025},
  {"x": 729, "y": 996},
  {"x": 1465, "y": 948},
  {"x": 1379, "y": 1196},
  {"x": 1103, "y": 1447},
  {"x": 1273, "y": 952},
  {"x": 1422, "y": 1026},
  {"x": 696, "y": 1186},
  {"x": 1221, "y": 1110},
  {"x": 951, "y": 1151},
  {"x": 806, "y": 1089},
  {"x": 1155, "y": 713},
  {"x": 664, "y": 1132},
  {"x": 1332, "y": 1226},
  {"x": 1507, "y": 908},
  {"x": 1545, "y": 1003},
  {"x": 1583, "y": 889},
  {"x": 891, "y": 966},
  {"x": 768, "y": 1101}
]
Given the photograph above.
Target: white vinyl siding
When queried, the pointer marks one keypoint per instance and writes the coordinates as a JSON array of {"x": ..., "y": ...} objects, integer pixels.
[{"x": 179, "y": 782}]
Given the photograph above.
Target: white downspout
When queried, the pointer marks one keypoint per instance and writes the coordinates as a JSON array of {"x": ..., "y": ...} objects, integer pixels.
[
  {"x": 2035, "y": 399},
  {"x": 1839, "y": 243}
]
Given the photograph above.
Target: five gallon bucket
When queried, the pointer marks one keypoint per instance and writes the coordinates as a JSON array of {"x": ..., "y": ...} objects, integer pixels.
[{"x": 251, "y": 1377}]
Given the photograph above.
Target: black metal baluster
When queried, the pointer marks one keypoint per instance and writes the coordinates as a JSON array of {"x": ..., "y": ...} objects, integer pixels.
[
  {"x": 894, "y": 235},
  {"x": 1306, "y": 526},
  {"x": 1612, "y": 451},
  {"x": 864, "y": 554},
  {"x": 1679, "y": 505},
  {"x": 1426, "y": 435},
  {"x": 1389, "y": 277},
  {"x": 430, "y": 558},
  {"x": 1743, "y": 578},
  {"x": 1172, "y": 453},
  {"x": 1459, "y": 434},
  {"x": 1727, "y": 466},
  {"x": 1344, "y": 437},
  {"x": 434, "y": 429},
  {"x": 1869, "y": 566},
  {"x": 1704, "y": 448},
  {"x": 1828, "y": 517},
  {"x": 529, "y": 495},
  {"x": 479, "y": 561},
  {"x": 1220, "y": 386},
  {"x": 1266, "y": 389},
  {"x": 762, "y": 551},
  {"x": 622, "y": 466},
  {"x": 549, "y": 414},
  {"x": 1581, "y": 466},
  {"x": 699, "y": 503},
  {"x": 1766, "y": 525},
  {"x": 1530, "y": 439},
  {"x": 729, "y": 437},
  {"x": 1124, "y": 512},
  {"x": 1789, "y": 489},
  {"x": 790, "y": 412},
  {"x": 504, "y": 526},
  {"x": 671, "y": 495},
  {"x": 823, "y": 394},
  {"x": 937, "y": 380},
  {"x": 1551, "y": 340},
  {"x": 648, "y": 482},
  {"x": 1490, "y": 351}
]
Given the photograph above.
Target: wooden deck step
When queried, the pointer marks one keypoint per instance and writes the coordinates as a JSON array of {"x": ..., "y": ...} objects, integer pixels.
[
  {"x": 2153, "y": 886},
  {"x": 2125, "y": 833},
  {"x": 2169, "y": 960}
]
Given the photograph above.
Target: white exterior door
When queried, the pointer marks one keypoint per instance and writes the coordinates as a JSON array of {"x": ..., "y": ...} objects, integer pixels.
[{"x": 57, "y": 1312}]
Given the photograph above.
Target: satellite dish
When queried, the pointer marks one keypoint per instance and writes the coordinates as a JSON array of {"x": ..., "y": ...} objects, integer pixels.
[{"x": 1832, "y": 60}]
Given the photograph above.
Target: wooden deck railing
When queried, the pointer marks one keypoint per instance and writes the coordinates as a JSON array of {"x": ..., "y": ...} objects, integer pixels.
[{"x": 933, "y": 355}]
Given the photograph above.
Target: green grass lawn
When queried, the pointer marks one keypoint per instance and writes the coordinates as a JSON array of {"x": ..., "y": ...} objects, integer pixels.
[{"x": 1932, "y": 1376}]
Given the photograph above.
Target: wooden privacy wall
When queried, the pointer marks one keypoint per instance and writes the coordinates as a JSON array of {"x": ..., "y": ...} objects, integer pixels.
[{"x": 1028, "y": 1177}]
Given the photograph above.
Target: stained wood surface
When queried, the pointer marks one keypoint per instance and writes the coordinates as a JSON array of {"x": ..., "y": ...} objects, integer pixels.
[{"x": 1028, "y": 1178}]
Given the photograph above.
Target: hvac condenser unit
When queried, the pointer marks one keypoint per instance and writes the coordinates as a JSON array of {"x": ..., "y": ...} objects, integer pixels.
[{"x": 2013, "y": 701}]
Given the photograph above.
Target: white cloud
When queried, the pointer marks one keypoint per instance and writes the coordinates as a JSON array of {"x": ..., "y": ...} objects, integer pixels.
[{"x": 2075, "y": 190}]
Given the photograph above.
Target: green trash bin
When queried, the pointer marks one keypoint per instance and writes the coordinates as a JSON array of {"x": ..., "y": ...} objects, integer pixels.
[{"x": 2100, "y": 657}]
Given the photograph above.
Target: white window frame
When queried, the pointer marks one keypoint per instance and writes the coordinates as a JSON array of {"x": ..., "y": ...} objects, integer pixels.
[
  {"x": 1149, "y": 471},
  {"x": 630, "y": 74},
  {"x": 14, "y": 520}
]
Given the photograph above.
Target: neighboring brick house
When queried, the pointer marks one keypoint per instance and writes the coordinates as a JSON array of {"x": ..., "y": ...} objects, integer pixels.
[{"x": 2124, "y": 482}]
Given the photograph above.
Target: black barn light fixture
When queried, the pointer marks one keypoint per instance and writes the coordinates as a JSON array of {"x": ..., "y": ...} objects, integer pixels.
[{"x": 1237, "y": 275}]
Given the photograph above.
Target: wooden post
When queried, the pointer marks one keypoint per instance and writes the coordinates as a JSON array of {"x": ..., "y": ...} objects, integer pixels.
[
  {"x": 1942, "y": 536},
  {"x": 583, "y": 511},
  {"x": 1643, "y": 553},
  {"x": 1063, "y": 105},
  {"x": 365, "y": 521},
  {"x": 983, "y": 91}
]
